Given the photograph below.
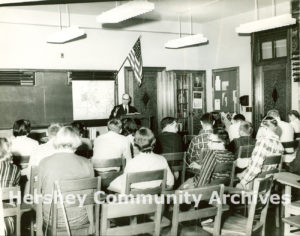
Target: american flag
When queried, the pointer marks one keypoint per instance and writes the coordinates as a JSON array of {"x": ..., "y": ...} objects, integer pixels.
[{"x": 136, "y": 62}]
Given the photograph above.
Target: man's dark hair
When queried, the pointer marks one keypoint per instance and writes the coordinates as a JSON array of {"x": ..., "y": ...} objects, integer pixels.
[
  {"x": 207, "y": 119},
  {"x": 239, "y": 117},
  {"x": 295, "y": 113},
  {"x": 222, "y": 135},
  {"x": 166, "y": 121},
  {"x": 21, "y": 127}
]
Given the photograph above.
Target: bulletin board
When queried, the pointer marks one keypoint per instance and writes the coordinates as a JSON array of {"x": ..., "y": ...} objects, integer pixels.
[{"x": 225, "y": 84}]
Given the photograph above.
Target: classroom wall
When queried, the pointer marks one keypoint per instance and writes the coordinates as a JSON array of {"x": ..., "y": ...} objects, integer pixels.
[{"x": 25, "y": 30}]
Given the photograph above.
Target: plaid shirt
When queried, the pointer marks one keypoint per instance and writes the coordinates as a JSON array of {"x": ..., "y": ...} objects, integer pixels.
[
  {"x": 199, "y": 142},
  {"x": 264, "y": 147}
]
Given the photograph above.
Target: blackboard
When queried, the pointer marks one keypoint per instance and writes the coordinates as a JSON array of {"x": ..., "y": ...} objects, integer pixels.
[{"x": 50, "y": 100}]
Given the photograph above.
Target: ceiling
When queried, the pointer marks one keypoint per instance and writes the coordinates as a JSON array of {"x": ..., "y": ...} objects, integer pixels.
[{"x": 201, "y": 10}]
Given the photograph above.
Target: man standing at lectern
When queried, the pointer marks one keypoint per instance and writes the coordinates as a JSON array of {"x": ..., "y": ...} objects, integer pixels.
[{"x": 123, "y": 108}]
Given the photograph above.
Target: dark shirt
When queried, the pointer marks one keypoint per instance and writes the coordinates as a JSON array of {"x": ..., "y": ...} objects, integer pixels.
[
  {"x": 235, "y": 144},
  {"x": 168, "y": 142},
  {"x": 121, "y": 111}
]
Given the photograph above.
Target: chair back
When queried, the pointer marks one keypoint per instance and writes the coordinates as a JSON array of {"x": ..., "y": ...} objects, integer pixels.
[
  {"x": 289, "y": 147},
  {"x": 268, "y": 163},
  {"x": 206, "y": 193},
  {"x": 12, "y": 210},
  {"x": 176, "y": 162},
  {"x": 146, "y": 176},
  {"x": 87, "y": 187},
  {"x": 108, "y": 176},
  {"x": 297, "y": 136},
  {"x": 245, "y": 151},
  {"x": 21, "y": 161},
  {"x": 260, "y": 203},
  {"x": 33, "y": 182},
  {"x": 133, "y": 208}
]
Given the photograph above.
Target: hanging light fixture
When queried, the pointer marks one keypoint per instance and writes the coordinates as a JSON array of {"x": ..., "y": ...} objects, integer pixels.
[
  {"x": 125, "y": 11},
  {"x": 186, "y": 41},
  {"x": 65, "y": 35},
  {"x": 266, "y": 24}
]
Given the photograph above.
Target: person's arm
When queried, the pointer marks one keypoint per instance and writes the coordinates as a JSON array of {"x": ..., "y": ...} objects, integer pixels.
[{"x": 257, "y": 160}]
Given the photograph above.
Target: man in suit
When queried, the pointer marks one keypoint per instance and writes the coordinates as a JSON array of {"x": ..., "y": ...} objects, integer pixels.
[{"x": 123, "y": 108}]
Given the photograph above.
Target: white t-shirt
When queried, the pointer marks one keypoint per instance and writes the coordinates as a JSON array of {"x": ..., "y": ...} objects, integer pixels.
[{"x": 23, "y": 146}]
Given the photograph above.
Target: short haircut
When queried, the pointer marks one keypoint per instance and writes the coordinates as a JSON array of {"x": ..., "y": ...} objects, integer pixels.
[
  {"x": 239, "y": 117},
  {"x": 78, "y": 125},
  {"x": 4, "y": 148},
  {"x": 273, "y": 113},
  {"x": 53, "y": 129},
  {"x": 295, "y": 113},
  {"x": 271, "y": 123},
  {"x": 129, "y": 126},
  {"x": 246, "y": 127},
  {"x": 167, "y": 121},
  {"x": 114, "y": 124},
  {"x": 144, "y": 140},
  {"x": 67, "y": 138},
  {"x": 21, "y": 127},
  {"x": 222, "y": 135},
  {"x": 207, "y": 118}
]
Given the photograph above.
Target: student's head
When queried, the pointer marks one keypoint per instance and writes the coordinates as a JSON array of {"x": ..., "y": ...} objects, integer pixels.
[
  {"x": 238, "y": 118},
  {"x": 125, "y": 99},
  {"x": 115, "y": 125},
  {"x": 218, "y": 140},
  {"x": 67, "y": 139},
  {"x": 79, "y": 127},
  {"x": 293, "y": 115},
  {"x": 245, "y": 128},
  {"x": 129, "y": 126},
  {"x": 21, "y": 127},
  {"x": 271, "y": 124},
  {"x": 4, "y": 149},
  {"x": 169, "y": 124},
  {"x": 144, "y": 140},
  {"x": 207, "y": 121},
  {"x": 274, "y": 113},
  {"x": 53, "y": 129}
]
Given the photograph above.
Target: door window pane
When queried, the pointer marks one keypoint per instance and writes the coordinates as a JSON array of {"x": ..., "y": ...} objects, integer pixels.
[
  {"x": 266, "y": 50},
  {"x": 280, "y": 47}
]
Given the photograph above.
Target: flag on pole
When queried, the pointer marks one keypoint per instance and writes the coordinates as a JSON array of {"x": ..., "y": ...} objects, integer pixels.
[{"x": 136, "y": 62}]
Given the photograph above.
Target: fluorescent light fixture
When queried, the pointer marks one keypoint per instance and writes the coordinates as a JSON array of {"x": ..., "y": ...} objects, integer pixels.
[
  {"x": 66, "y": 35},
  {"x": 266, "y": 24},
  {"x": 186, "y": 41},
  {"x": 125, "y": 11}
]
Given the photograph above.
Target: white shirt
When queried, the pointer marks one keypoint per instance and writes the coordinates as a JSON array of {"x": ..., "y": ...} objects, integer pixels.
[
  {"x": 234, "y": 131},
  {"x": 42, "y": 151},
  {"x": 23, "y": 146},
  {"x": 111, "y": 145},
  {"x": 143, "y": 162},
  {"x": 296, "y": 125}
]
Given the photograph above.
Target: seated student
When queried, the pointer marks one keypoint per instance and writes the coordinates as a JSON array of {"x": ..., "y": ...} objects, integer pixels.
[
  {"x": 194, "y": 154},
  {"x": 233, "y": 129},
  {"x": 146, "y": 160},
  {"x": 129, "y": 128},
  {"x": 86, "y": 147},
  {"x": 21, "y": 145},
  {"x": 111, "y": 144},
  {"x": 267, "y": 145},
  {"x": 9, "y": 177},
  {"x": 294, "y": 119},
  {"x": 65, "y": 165},
  {"x": 168, "y": 140},
  {"x": 245, "y": 139},
  {"x": 211, "y": 170}
]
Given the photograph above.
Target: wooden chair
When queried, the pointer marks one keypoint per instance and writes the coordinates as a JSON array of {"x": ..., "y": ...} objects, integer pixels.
[
  {"x": 108, "y": 176},
  {"x": 289, "y": 147},
  {"x": 176, "y": 163},
  {"x": 297, "y": 136},
  {"x": 240, "y": 225},
  {"x": 89, "y": 186},
  {"x": 243, "y": 152},
  {"x": 195, "y": 213},
  {"x": 10, "y": 210},
  {"x": 111, "y": 211},
  {"x": 138, "y": 177}
]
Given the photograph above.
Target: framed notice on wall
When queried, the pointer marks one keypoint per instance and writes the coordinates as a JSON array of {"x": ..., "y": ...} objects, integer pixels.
[{"x": 197, "y": 100}]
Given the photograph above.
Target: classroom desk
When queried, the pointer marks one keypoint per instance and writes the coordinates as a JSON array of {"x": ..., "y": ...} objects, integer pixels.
[{"x": 290, "y": 181}]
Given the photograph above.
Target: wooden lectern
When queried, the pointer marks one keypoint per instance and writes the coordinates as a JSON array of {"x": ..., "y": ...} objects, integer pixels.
[{"x": 140, "y": 119}]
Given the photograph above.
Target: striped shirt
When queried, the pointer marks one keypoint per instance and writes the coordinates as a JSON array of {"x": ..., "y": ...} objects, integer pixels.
[
  {"x": 197, "y": 144},
  {"x": 269, "y": 145},
  {"x": 9, "y": 177}
]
